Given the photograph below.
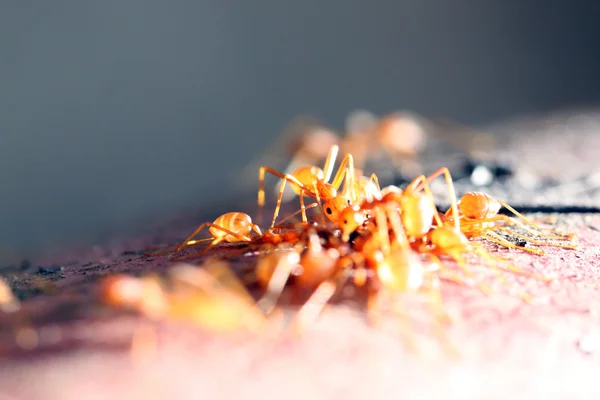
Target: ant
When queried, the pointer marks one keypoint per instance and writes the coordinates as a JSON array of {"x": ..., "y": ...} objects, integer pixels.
[
  {"x": 445, "y": 240},
  {"x": 365, "y": 189},
  {"x": 236, "y": 227},
  {"x": 399, "y": 134},
  {"x": 398, "y": 269},
  {"x": 478, "y": 213},
  {"x": 417, "y": 210},
  {"x": 311, "y": 264},
  {"x": 415, "y": 213},
  {"x": 211, "y": 297},
  {"x": 322, "y": 263},
  {"x": 313, "y": 182}
]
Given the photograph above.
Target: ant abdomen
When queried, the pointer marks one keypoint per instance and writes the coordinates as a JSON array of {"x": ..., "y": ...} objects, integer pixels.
[
  {"x": 236, "y": 222},
  {"x": 478, "y": 205}
]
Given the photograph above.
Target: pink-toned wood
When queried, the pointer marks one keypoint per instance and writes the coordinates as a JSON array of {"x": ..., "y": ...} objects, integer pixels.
[{"x": 508, "y": 349}]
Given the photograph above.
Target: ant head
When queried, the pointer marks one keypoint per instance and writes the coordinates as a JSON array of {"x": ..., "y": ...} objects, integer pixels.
[
  {"x": 350, "y": 219},
  {"x": 334, "y": 206}
]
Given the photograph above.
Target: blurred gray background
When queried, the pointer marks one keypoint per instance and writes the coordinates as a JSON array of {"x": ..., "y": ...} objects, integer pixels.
[{"x": 111, "y": 111}]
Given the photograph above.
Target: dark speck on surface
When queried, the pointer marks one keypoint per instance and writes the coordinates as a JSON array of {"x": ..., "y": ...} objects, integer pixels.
[
  {"x": 521, "y": 242},
  {"x": 132, "y": 253},
  {"x": 49, "y": 270}
]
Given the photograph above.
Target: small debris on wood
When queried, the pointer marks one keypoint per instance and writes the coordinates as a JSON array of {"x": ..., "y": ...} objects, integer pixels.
[{"x": 49, "y": 270}]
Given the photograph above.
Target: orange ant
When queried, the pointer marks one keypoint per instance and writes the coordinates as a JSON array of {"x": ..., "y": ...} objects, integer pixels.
[
  {"x": 415, "y": 214},
  {"x": 365, "y": 189},
  {"x": 231, "y": 227},
  {"x": 311, "y": 265},
  {"x": 313, "y": 182},
  {"x": 236, "y": 227},
  {"x": 417, "y": 210},
  {"x": 398, "y": 133},
  {"x": 445, "y": 240},
  {"x": 478, "y": 213},
  {"x": 322, "y": 268},
  {"x": 211, "y": 297},
  {"x": 398, "y": 268}
]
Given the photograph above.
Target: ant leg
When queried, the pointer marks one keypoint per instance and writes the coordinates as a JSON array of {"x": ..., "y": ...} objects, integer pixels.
[
  {"x": 275, "y": 287},
  {"x": 512, "y": 268},
  {"x": 198, "y": 241},
  {"x": 241, "y": 238},
  {"x": 261, "y": 179},
  {"x": 528, "y": 221},
  {"x": 330, "y": 162},
  {"x": 447, "y": 274},
  {"x": 287, "y": 218},
  {"x": 479, "y": 224},
  {"x": 495, "y": 238},
  {"x": 172, "y": 248},
  {"x": 382, "y": 230},
  {"x": 304, "y": 219},
  {"x": 524, "y": 296},
  {"x": 375, "y": 181},
  {"x": 535, "y": 232},
  {"x": 215, "y": 241},
  {"x": 441, "y": 317},
  {"x": 536, "y": 241},
  {"x": 193, "y": 235},
  {"x": 346, "y": 170},
  {"x": 211, "y": 245},
  {"x": 372, "y": 189},
  {"x": 429, "y": 194},
  {"x": 314, "y": 305},
  {"x": 462, "y": 264},
  {"x": 322, "y": 213},
  {"x": 292, "y": 179},
  {"x": 397, "y": 228},
  {"x": 451, "y": 192}
]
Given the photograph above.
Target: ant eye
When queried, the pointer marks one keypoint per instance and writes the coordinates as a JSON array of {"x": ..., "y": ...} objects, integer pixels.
[
  {"x": 328, "y": 210},
  {"x": 345, "y": 221}
]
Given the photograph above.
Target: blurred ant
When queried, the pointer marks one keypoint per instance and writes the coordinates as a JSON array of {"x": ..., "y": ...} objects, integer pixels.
[
  {"x": 210, "y": 296},
  {"x": 311, "y": 264},
  {"x": 398, "y": 269},
  {"x": 8, "y": 301}
]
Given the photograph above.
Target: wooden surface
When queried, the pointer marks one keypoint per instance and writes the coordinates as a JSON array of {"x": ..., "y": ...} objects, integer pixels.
[{"x": 508, "y": 349}]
